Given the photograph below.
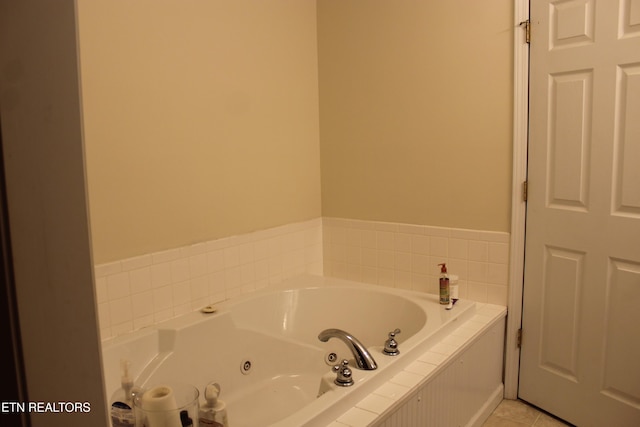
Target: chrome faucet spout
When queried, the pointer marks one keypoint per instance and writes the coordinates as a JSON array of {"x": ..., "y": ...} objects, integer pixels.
[{"x": 364, "y": 360}]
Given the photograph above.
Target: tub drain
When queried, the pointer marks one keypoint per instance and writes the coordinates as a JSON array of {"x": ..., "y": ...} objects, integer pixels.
[{"x": 245, "y": 367}]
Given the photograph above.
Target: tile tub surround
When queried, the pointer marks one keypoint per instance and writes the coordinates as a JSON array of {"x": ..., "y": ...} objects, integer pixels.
[
  {"x": 457, "y": 382},
  {"x": 140, "y": 291},
  {"x": 407, "y": 256}
]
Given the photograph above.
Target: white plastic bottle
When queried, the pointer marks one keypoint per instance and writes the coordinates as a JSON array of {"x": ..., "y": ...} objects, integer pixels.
[
  {"x": 122, "y": 400},
  {"x": 453, "y": 288},
  {"x": 214, "y": 412}
]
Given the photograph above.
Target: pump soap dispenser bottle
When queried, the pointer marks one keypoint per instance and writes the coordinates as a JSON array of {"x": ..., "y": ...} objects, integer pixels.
[
  {"x": 444, "y": 284},
  {"x": 122, "y": 400},
  {"x": 214, "y": 412}
]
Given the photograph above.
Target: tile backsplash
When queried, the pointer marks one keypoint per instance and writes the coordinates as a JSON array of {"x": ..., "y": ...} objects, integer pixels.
[
  {"x": 140, "y": 291},
  {"x": 407, "y": 256},
  {"x": 137, "y": 292}
]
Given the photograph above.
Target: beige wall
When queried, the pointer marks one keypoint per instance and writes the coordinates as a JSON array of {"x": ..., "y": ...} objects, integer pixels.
[
  {"x": 204, "y": 119},
  {"x": 416, "y": 110},
  {"x": 201, "y": 119}
]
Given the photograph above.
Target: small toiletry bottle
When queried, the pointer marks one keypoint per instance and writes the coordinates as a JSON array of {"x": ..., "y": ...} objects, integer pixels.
[
  {"x": 453, "y": 288},
  {"x": 444, "y": 284},
  {"x": 122, "y": 400},
  {"x": 214, "y": 412}
]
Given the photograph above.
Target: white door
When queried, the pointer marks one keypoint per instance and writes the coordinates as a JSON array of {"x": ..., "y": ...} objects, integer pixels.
[{"x": 580, "y": 357}]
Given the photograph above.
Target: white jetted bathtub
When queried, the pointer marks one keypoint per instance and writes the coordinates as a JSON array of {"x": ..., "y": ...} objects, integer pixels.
[{"x": 263, "y": 350}]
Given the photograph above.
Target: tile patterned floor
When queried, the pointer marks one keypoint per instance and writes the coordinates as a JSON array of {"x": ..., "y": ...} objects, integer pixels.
[{"x": 516, "y": 413}]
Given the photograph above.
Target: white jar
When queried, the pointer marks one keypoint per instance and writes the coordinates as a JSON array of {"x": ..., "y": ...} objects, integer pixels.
[{"x": 453, "y": 287}]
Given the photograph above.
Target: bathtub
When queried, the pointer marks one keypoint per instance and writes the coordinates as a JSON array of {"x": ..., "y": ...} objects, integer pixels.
[{"x": 263, "y": 349}]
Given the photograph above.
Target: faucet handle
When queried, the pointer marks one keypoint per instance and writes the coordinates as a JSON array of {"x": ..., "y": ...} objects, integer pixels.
[
  {"x": 344, "y": 374},
  {"x": 391, "y": 345}
]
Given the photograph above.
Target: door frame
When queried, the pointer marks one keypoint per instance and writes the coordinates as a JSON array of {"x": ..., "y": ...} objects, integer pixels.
[{"x": 518, "y": 204}]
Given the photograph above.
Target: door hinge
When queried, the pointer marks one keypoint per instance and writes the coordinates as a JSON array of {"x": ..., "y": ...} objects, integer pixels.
[
  {"x": 525, "y": 191},
  {"x": 527, "y": 30},
  {"x": 519, "y": 338}
]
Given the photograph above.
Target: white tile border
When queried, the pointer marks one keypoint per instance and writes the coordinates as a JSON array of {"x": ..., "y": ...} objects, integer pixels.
[
  {"x": 407, "y": 256},
  {"x": 137, "y": 292},
  {"x": 418, "y": 373}
]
